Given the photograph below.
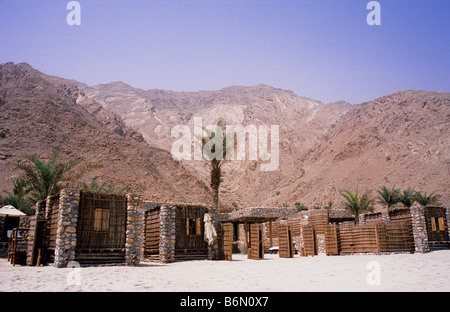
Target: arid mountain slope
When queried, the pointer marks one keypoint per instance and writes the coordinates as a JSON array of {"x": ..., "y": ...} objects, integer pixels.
[
  {"x": 302, "y": 123},
  {"x": 39, "y": 113},
  {"x": 400, "y": 140}
]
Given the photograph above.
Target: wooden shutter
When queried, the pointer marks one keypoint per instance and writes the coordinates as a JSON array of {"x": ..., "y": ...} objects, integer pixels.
[
  {"x": 187, "y": 226},
  {"x": 101, "y": 220},
  {"x": 433, "y": 224},
  {"x": 441, "y": 224},
  {"x": 198, "y": 226}
]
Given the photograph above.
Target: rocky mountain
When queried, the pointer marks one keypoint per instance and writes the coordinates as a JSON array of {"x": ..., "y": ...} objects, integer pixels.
[
  {"x": 400, "y": 139},
  {"x": 397, "y": 140},
  {"x": 303, "y": 122},
  {"x": 40, "y": 113}
]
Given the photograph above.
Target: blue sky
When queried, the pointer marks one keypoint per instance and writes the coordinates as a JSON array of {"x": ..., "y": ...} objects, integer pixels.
[{"x": 322, "y": 49}]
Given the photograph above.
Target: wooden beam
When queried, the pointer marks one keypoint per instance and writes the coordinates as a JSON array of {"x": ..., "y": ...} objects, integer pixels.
[{"x": 270, "y": 234}]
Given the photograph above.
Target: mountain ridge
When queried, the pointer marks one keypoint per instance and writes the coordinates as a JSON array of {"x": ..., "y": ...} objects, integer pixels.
[
  {"x": 398, "y": 139},
  {"x": 40, "y": 113}
]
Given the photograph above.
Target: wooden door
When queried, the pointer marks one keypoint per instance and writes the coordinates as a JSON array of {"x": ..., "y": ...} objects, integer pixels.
[
  {"x": 227, "y": 241},
  {"x": 152, "y": 231},
  {"x": 286, "y": 247},
  {"x": 256, "y": 248}
]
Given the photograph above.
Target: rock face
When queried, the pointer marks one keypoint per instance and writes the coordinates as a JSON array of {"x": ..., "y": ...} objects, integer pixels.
[
  {"x": 400, "y": 139},
  {"x": 39, "y": 113},
  {"x": 302, "y": 123}
]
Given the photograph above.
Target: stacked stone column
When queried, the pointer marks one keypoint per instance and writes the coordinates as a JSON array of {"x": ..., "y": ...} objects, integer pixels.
[
  {"x": 419, "y": 229},
  {"x": 167, "y": 234},
  {"x": 134, "y": 229},
  {"x": 66, "y": 236}
]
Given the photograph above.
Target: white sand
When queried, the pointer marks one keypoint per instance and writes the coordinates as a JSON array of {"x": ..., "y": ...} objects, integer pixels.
[{"x": 399, "y": 272}]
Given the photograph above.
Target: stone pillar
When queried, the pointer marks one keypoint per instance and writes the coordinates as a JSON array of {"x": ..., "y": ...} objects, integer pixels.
[
  {"x": 134, "y": 229},
  {"x": 167, "y": 234},
  {"x": 419, "y": 229},
  {"x": 66, "y": 236},
  {"x": 385, "y": 216},
  {"x": 213, "y": 250},
  {"x": 447, "y": 216}
]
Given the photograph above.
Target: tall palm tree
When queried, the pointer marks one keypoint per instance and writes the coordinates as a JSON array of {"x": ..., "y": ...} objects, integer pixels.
[
  {"x": 427, "y": 200},
  {"x": 407, "y": 197},
  {"x": 46, "y": 178},
  {"x": 388, "y": 197},
  {"x": 216, "y": 164},
  {"x": 357, "y": 204}
]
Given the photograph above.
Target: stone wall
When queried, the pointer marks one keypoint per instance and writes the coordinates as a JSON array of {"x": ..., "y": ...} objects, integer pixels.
[
  {"x": 66, "y": 237},
  {"x": 261, "y": 212},
  {"x": 419, "y": 229},
  {"x": 447, "y": 215},
  {"x": 134, "y": 229},
  {"x": 167, "y": 234}
]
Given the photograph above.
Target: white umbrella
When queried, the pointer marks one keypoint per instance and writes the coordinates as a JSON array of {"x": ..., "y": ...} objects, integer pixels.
[
  {"x": 210, "y": 231},
  {"x": 11, "y": 211}
]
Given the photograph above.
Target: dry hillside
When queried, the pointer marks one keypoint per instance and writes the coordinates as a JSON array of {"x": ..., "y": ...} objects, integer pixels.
[
  {"x": 400, "y": 139},
  {"x": 39, "y": 113}
]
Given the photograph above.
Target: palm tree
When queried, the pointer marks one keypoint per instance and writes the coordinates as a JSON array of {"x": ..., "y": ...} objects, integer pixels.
[
  {"x": 44, "y": 178},
  {"x": 18, "y": 197},
  {"x": 356, "y": 204},
  {"x": 427, "y": 200},
  {"x": 389, "y": 197},
  {"x": 95, "y": 186},
  {"x": 407, "y": 198},
  {"x": 216, "y": 164}
]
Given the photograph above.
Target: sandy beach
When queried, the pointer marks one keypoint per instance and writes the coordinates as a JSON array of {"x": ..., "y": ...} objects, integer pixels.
[{"x": 371, "y": 273}]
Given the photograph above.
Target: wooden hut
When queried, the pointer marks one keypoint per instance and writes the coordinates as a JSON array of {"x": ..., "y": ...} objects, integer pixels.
[
  {"x": 253, "y": 220},
  {"x": 175, "y": 231},
  {"x": 86, "y": 227}
]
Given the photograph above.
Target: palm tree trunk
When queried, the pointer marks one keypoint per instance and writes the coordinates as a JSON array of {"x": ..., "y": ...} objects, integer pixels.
[{"x": 215, "y": 184}]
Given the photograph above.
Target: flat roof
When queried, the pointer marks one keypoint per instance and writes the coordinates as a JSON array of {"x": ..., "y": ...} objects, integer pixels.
[{"x": 259, "y": 214}]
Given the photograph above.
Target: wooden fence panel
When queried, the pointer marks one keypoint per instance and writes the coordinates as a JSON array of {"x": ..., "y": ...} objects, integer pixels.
[
  {"x": 319, "y": 219},
  {"x": 309, "y": 240},
  {"x": 399, "y": 237},
  {"x": 296, "y": 226},
  {"x": 331, "y": 240},
  {"x": 362, "y": 238},
  {"x": 286, "y": 247},
  {"x": 52, "y": 224}
]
